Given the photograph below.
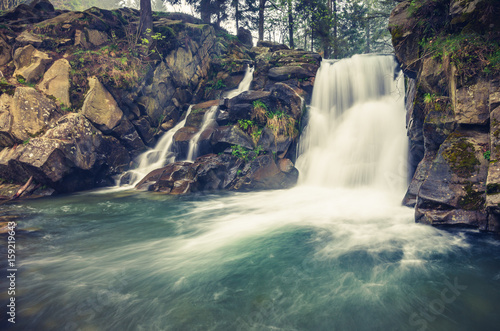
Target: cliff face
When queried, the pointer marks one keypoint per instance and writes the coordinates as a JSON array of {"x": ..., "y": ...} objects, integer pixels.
[
  {"x": 81, "y": 96},
  {"x": 449, "y": 51}
]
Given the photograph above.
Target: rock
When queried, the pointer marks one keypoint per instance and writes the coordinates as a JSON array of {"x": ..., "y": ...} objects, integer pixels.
[
  {"x": 288, "y": 72},
  {"x": 405, "y": 39},
  {"x": 263, "y": 173},
  {"x": 472, "y": 104},
  {"x": 32, "y": 113},
  {"x": 100, "y": 107},
  {"x": 216, "y": 172},
  {"x": 56, "y": 81},
  {"x": 278, "y": 144},
  {"x": 72, "y": 156},
  {"x": 181, "y": 141},
  {"x": 27, "y": 38},
  {"x": 30, "y": 63},
  {"x": 145, "y": 130},
  {"x": 227, "y": 136},
  {"x": 289, "y": 100},
  {"x": 272, "y": 45},
  {"x": 42, "y": 5},
  {"x": 245, "y": 36},
  {"x": 6, "y": 137},
  {"x": 454, "y": 190},
  {"x": 128, "y": 136},
  {"x": 95, "y": 37},
  {"x": 5, "y": 51},
  {"x": 80, "y": 39}
]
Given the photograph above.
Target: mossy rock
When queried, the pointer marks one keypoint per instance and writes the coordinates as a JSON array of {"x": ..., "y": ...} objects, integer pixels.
[{"x": 461, "y": 156}]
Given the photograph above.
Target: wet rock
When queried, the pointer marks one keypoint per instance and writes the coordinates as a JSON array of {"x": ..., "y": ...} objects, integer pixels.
[
  {"x": 227, "y": 136},
  {"x": 454, "y": 190},
  {"x": 288, "y": 72},
  {"x": 145, "y": 130}
]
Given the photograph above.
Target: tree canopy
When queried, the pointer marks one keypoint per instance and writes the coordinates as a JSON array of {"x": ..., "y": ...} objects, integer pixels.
[{"x": 335, "y": 28}]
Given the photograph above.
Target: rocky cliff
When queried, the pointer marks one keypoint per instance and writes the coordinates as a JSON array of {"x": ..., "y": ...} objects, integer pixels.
[
  {"x": 81, "y": 96},
  {"x": 449, "y": 51}
]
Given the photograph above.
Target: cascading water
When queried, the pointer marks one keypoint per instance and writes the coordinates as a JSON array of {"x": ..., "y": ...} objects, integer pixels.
[
  {"x": 208, "y": 120},
  {"x": 162, "y": 153},
  {"x": 333, "y": 254},
  {"x": 157, "y": 157},
  {"x": 244, "y": 84},
  {"x": 356, "y": 130}
]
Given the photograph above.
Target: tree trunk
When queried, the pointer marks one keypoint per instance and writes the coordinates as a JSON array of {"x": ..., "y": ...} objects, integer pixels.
[
  {"x": 335, "y": 37},
  {"x": 237, "y": 14},
  {"x": 290, "y": 24},
  {"x": 368, "y": 36},
  {"x": 262, "y": 5},
  {"x": 146, "y": 20}
]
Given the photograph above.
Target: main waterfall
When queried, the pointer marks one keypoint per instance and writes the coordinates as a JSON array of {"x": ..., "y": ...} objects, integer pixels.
[{"x": 355, "y": 134}]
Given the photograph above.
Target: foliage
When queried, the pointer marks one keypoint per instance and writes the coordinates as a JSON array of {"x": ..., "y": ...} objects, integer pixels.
[
  {"x": 471, "y": 53},
  {"x": 246, "y": 154},
  {"x": 282, "y": 124},
  {"x": 487, "y": 155}
]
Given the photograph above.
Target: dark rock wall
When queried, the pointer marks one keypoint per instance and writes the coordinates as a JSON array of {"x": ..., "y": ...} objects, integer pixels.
[{"x": 449, "y": 51}]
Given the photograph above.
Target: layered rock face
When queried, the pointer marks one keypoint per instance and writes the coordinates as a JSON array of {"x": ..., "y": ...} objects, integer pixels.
[
  {"x": 80, "y": 99},
  {"x": 449, "y": 50}
]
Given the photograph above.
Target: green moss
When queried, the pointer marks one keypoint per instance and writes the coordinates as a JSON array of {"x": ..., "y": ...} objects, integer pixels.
[
  {"x": 493, "y": 188},
  {"x": 473, "y": 200},
  {"x": 462, "y": 158}
]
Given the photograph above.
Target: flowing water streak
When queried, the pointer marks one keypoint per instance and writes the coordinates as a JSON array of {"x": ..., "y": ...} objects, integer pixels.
[
  {"x": 356, "y": 131},
  {"x": 244, "y": 84},
  {"x": 208, "y": 120},
  {"x": 209, "y": 117},
  {"x": 157, "y": 157}
]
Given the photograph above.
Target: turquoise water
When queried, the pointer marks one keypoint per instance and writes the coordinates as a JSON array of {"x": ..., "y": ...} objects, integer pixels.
[{"x": 301, "y": 259}]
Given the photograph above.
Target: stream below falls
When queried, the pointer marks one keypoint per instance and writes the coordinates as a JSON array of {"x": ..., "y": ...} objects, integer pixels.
[{"x": 336, "y": 252}]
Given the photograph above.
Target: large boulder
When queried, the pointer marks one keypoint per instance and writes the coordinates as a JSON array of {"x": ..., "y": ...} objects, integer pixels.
[
  {"x": 72, "y": 156},
  {"x": 5, "y": 50},
  {"x": 454, "y": 190},
  {"x": 100, "y": 107},
  {"x": 30, "y": 63},
  {"x": 32, "y": 113},
  {"x": 56, "y": 81},
  {"x": 217, "y": 172}
]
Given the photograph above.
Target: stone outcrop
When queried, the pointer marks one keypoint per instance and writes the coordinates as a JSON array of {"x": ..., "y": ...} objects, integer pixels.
[
  {"x": 452, "y": 105},
  {"x": 30, "y": 63},
  {"x": 56, "y": 81},
  {"x": 78, "y": 103},
  {"x": 219, "y": 172},
  {"x": 100, "y": 107},
  {"x": 72, "y": 156}
]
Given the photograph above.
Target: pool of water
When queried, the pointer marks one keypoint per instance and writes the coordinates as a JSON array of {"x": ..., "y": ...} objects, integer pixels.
[{"x": 308, "y": 258}]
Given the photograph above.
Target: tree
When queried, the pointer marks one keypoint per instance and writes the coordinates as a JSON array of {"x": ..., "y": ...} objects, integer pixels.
[{"x": 146, "y": 20}]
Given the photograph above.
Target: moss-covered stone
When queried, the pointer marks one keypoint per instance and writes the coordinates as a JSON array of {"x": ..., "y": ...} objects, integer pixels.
[
  {"x": 462, "y": 158},
  {"x": 473, "y": 200}
]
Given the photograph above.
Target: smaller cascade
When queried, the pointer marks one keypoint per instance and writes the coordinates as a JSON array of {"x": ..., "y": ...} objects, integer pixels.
[
  {"x": 244, "y": 84},
  {"x": 208, "y": 120},
  {"x": 157, "y": 157}
]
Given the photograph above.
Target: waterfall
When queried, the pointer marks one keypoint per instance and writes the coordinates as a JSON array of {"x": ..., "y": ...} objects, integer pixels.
[
  {"x": 208, "y": 120},
  {"x": 356, "y": 134},
  {"x": 244, "y": 84},
  {"x": 157, "y": 157}
]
